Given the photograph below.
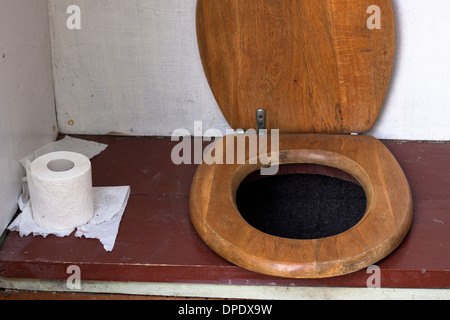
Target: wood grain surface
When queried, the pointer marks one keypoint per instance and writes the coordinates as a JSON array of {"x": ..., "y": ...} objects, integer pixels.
[
  {"x": 314, "y": 65},
  {"x": 386, "y": 222}
]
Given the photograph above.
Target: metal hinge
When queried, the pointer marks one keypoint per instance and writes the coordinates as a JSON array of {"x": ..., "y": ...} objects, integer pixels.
[{"x": 261, "y": 119}]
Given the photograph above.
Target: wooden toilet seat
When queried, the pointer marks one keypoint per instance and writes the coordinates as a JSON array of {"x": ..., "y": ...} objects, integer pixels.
[
  {"x": 320, "y": 70},
  {"x": 387, "y": 220}
]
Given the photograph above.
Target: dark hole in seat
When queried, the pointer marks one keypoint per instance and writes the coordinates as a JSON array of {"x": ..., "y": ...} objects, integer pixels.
[{"x": 302, "y": 205}]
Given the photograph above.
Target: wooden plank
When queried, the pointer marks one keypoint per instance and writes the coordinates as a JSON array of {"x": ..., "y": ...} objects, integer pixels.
[
  {"x": 157, "y": 242},
  {"x": 426, "y": 165},
  {"x": 145, "y": 164}
]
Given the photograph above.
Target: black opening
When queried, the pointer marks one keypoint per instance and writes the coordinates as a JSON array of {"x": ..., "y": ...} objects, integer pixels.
[{"x": 301, "y": 206}]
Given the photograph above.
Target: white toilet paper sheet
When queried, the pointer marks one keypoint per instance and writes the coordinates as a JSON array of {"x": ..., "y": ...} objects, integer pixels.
[
  {"x": 109, "y": 202},
  {"x": 109, "y": 206}
]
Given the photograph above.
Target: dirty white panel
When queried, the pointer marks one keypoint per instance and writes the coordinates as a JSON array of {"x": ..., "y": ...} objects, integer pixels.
[
  {"x": 418, "y": 104},
  {"x": 229, "y": 291},
  {"x": 27, "y": 109},
  {"x": 134, "y": 68}
]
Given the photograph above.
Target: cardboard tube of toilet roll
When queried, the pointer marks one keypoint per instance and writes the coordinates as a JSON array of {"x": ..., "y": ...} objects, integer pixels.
[{"x": 60, "y": 187}]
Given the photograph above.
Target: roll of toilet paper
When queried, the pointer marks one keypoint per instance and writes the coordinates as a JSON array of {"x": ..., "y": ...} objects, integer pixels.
[{"x": 60, "y": 187}]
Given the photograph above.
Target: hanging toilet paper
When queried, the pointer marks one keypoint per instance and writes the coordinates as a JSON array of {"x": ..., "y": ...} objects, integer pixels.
[{"x": 60, "y": 188}]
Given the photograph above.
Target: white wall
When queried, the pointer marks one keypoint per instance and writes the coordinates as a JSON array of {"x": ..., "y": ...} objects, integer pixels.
[
  {"x": 134, "y": 68},
  {"x": 27, "y": 109},
  {"x": 418, "y": 103}
]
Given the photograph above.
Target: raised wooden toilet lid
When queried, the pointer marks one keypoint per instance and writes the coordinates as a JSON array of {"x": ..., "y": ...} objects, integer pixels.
[{"x": 315, "y": 66}]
